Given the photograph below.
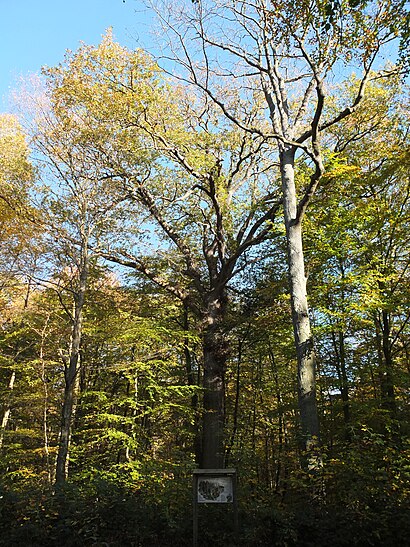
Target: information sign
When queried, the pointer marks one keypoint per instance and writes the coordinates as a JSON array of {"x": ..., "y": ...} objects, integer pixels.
[
  {"x": 217, "y": 489},
  {"x": 213, "y": 486}
]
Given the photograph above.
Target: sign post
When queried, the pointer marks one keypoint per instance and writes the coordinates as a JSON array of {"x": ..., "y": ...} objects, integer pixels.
[{"x": 213, "y": 486}]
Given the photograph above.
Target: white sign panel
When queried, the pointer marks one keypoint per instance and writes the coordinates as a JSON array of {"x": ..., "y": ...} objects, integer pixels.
[{"x": 215, "y": 489}]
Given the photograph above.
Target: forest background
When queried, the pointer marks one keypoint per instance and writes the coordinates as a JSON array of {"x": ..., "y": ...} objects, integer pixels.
[{"x": 166, "y": 219}]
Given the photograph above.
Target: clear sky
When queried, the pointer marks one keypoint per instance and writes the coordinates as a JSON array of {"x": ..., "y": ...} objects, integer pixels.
[{"x": 34, "y": 33}]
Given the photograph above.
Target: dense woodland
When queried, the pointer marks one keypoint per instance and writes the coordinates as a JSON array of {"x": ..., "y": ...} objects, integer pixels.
[{"x": 205, "y": 264}]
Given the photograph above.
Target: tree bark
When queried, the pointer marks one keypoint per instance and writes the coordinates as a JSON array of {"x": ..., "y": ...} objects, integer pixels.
[
  {"x": 192, "y": 381},
  {"x": 236, "y": 404},
  {"x": 215, "y": 354},
  {"x": 7, "y": 410},
  {"x": 383, "y": 330},
  {"x": 45, "y": 403},
  {"x": 338, "y": 339},
  {"x": 71, "y": 378},
  {"x": 282, "y": 441},
  {"x": 309, "y": 420}
]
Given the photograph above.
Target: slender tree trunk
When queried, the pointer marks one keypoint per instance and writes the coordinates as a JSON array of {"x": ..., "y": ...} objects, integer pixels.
[
  {"x": 281, "y": 421},
  {"x": 68, "y": 413},
  {"x": 344, "y": 379},
  {"x": 72, "y": 378},
  {"x": 387, "y": 385},
  {"x": 382, "y": 325},
  {"x": 340, "y": 363},
  {"x": 7, "y": 410},
  {"x": 343, "y": 366},
  {"x": 215, "y": 353},
  {"x": 45, "y": 403},
  {"x": 134, "y": 426},
  {"x": 236, "y": 405},
  {"x": 192, "y": 381},
  {"x": 309, "y": 420}
]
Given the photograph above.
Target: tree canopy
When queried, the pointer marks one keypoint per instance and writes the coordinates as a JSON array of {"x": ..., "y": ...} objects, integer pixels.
[{"x": 205, "y": 263}]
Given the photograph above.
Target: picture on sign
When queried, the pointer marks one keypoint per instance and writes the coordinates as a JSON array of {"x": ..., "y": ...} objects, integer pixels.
[{"x": 215, "y": 489}]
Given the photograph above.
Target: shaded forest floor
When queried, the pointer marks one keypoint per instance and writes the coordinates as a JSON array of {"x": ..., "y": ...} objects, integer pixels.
[{"x": 103, "y": 514}]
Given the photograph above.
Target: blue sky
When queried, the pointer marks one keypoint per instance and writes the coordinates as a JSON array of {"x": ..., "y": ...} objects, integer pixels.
[{"x": 34, "y": 33}]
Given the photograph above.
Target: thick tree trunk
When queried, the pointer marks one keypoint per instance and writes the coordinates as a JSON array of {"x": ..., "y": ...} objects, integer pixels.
[
  {"x": 215, "y": 353},
  {"x": 71, "y": 380},
  {"x": 309, "y": 420}
]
